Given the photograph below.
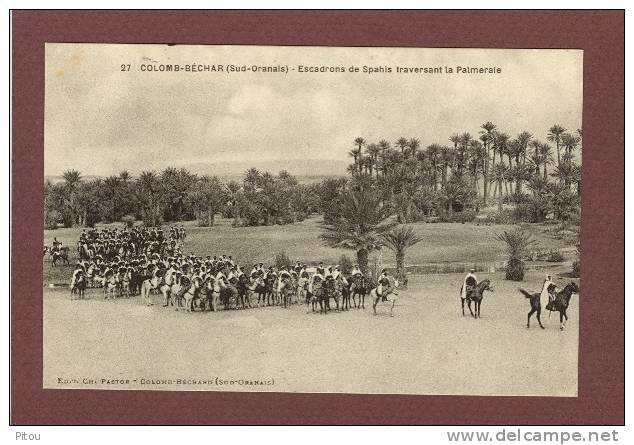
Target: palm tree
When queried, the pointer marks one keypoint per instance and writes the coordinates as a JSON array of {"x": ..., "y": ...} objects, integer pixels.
[
  {"x": 517, "y": 242},
  {"x": 207, "y": 197},
  {"x": 356, "y": 152},
  {"x": 488, "y": 139},
  {"x": 149, "y": 191},
  {"x": 446, "y": 158},
  {"x": 554, "y": 135},
  {"x": 536, "y": 157},
  {"x": 373, "y": 151},
  {"x": 414, "y": 144},
  {"x": 72, "y": 179},
  {"x": 399, "y": 240},
  {"x": 402, "y": 143},
  {"x": 477, "y": 156},
  {"x": 547, "y": 158},
  {"x": 455, "y": 139},
  {"x": 499, "y": 175},
  {"x": 462, "y": 151},
  {"x": 361, "y": 219},
  {"x": 434, "y": 153},
  {"x": 384, "y": 147},
  {"x": 570, "y": 142},
  {"x": 523, "y": 139}
]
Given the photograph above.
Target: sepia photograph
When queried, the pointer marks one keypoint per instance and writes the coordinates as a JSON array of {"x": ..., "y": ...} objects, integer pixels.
[{"x": 364, "y": 220}]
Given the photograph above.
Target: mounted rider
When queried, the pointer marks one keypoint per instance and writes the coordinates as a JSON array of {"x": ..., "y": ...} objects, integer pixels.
[
  {"x": 384, "y": 285},
  {"x": 548, "y": 293},
  {"x": 469, "y": 284}
]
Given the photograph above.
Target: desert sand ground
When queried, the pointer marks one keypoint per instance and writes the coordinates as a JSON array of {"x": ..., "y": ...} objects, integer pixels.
[{"x": 428, "y": 347}]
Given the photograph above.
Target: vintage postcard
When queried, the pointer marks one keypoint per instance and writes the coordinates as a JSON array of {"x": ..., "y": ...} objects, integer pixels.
[{"x": 312, "y": 219}]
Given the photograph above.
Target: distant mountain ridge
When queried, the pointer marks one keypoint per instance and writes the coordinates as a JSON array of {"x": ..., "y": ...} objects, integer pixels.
[
  {"x": 296, "y": 167},
  {"x": 306, "y": 170}
]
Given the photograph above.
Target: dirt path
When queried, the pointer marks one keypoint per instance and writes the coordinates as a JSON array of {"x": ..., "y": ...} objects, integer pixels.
[{"x": 426, "y": 348}]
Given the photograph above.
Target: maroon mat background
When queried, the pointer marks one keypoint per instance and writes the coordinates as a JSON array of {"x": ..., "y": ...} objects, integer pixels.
[{"x": 601, "y": 358}]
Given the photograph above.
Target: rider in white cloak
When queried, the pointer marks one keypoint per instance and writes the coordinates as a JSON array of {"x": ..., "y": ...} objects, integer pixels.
[
  {"x": 311, "y": 281},
  {"x": 545, "y": 296},
  {"x": 73, "y": 280},
  {"x": 356, "y": 270},
  {"x": 463, "y": 290}
]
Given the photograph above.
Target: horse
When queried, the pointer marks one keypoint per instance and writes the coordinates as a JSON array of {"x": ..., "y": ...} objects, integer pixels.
[
  {"x": 61, "y": 254},
  {"x": 227, "y": 294},
  {"x": 211, "y": 297},
  {"x": 330, "y": 291},
  {"x": 302, "y": 290},
  {"x": 286, "y": 291},
  {"x": 90, "y": 275},
  {"x": 345, "y": 295},
  {"x": 79, "y": 286},
  {"x": 84, "y": 251},
  {"x": 318, "y": 295},
  {"x": 149, "y": 284},
  {"x": 192, "y": 293},
  {"x": 110, "y": 286},
  {"x": 476, "y": 294},
  {"x": 376, "y": 297},
  {"x": 244, "y": 291},
  {"x": 264, "y": 289},
  {"x": 559, "y": 304},
  {"x": 360, "y": 286}
]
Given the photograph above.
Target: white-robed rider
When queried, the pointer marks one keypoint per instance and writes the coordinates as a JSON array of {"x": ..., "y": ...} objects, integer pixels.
[
  {"x": 219, "y": 282},
  {"x": 338, "y": 274},
  {"x": 384, "y": 286},
  {"x": 73, "y": 279},
  {"x": 545, "y": 296},
  {"x": 280, "y": 283},
  {"x": 356, "y": 270},
  {"x": 463, "y": 291},
  {"x": 311, "y": 281}
]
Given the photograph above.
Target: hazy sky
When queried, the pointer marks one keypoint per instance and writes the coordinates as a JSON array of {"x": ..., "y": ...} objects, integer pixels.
[{"x": 101, "y": 120}]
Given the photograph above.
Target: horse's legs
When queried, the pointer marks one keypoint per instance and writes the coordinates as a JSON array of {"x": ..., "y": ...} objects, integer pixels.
[
  {"x": 469, "y": 306},
  {"x": 528, "y": 321},
  {"x": 462, "y": 301},
  {"x": 563, "y": 318},
  {"x": 392, "y": 308},
  {"x": 539, "y": 318},
  {"x": 376, "y": 301},
  {"x": 477, "y": 307}
]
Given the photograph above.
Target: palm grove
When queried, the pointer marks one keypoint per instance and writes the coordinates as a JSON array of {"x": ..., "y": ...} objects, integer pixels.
[{"x": 519, "y": 179}]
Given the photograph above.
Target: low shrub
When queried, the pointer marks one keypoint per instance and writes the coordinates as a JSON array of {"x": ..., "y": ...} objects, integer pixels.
[
  {"x": 459, "y": 217},
  {"x": 576, "y": 268},
  {"x": 50, "y": 220},
  {"x": 554, "y": 256},
  {"x": 503, "y": 217}
]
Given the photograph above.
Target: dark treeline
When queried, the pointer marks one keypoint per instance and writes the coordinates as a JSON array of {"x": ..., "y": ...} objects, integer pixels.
[
  {"x": 450, "y": 182},
  {"x": 454, "y": 181},
  {"x": 178, "y": 195}
]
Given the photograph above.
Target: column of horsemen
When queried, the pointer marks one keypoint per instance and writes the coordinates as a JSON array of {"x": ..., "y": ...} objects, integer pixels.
[{"x": 146, "y": 261}]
